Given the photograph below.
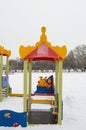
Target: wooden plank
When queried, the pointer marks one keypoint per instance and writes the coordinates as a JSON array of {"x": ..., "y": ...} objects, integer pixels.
[
  {"x": 1, "y": 58},
  {"x": 16, "y": 95},
  {"x": 20, "y": 94},
  {"x": 41, "y": 100},
  {"x": 41, "y": 117},
  {"x": 25, "y": 87},
  {"x": 60, "y": 95},
  {"x": 30, "y": 81}
]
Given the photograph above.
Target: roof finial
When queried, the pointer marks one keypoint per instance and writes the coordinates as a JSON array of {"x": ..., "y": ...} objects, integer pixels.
[
  {"x": 43, "y": 37},
  {"x": 43, "y": 30}
]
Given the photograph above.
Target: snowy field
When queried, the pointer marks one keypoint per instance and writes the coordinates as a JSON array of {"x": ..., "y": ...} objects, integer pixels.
[{"x": 74, "y": 100}]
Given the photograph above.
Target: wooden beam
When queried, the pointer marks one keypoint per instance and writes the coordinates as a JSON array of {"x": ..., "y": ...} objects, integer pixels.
[
  {"x": 21, "y": 94},
  {"x": 41, "y": 100},
  {"x": 60, "y": 94},
  {"x": 16, "y": 94},
  {"x": 56, "y": 79},
  {"x": 25, "y": 87},
  {"x": 30, "y": 82},
  {"x": 1, "y": 68},
  {"x": 7, "y": 65}
]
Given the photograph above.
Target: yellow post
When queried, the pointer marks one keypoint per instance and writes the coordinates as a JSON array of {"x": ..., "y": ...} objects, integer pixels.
[
  {"x": 1, "y": 68},
  {"x": 7, "y": 65},
  {"x": 30, "y": 81},
  {"x": 56, "y": 79},
  {"x": 60, "y": 94},
  {"x": 25, "y": 87}
]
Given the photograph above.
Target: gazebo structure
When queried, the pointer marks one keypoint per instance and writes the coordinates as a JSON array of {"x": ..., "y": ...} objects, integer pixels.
[
  {"x": 4, "y": 80},
  {"x": 43, "y": 50}
]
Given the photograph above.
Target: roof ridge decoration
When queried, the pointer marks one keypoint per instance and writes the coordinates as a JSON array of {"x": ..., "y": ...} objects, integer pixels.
[
  {"x": 61, "y": 51},
  {"x": 43, "y": 38}
]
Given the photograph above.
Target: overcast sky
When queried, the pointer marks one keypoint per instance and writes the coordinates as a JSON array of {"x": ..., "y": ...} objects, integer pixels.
[{"x": 21, "y": 21}]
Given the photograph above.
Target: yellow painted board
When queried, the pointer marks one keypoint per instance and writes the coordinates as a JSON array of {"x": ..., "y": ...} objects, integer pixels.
[
  {"x": 55, "y": 113},
  {"x": 40, "y": 101},
  {"x": 54, "y": 106},
  {"x": 16, "y": 94}
]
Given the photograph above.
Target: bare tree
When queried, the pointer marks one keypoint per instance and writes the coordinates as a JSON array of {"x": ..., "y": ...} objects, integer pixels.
[
  {"x": 16, "y": 64},
  {"x": 69, "y": 62},
  {"x": 80, "y": 56}
]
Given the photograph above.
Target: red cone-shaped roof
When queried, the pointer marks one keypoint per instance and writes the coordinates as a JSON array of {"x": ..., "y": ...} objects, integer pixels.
[{"x": 43, "y": 52}]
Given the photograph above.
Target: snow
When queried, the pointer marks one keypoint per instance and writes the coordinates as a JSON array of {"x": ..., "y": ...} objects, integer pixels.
[{"x": 74, "y": 100}]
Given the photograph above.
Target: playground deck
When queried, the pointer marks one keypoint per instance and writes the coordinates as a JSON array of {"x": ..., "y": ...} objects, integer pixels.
[{"x": 41, "y": 117}]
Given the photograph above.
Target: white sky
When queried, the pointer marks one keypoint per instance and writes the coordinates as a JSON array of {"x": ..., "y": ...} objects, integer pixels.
[{"x": 21, "y": 21}]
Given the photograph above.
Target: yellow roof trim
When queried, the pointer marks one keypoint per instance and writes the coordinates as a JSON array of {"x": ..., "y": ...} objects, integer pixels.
[
  {"x": 61, "y": 51},
  {"x": 5, "y": 52},
  {"x": 24, "y": 51}
]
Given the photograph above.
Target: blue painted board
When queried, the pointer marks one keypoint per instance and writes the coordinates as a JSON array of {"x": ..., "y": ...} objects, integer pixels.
[
  {"x": 5, "y": 81},
  {"x": 44, "y": 90},
  {"x": 9, "y": 118}
]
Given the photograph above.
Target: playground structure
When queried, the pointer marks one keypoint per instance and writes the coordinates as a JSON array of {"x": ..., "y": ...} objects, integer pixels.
[
  {"x": 43, "y": 50},
  {"x": 8, "y": 117},
  {"x": 4, "y": 80}
]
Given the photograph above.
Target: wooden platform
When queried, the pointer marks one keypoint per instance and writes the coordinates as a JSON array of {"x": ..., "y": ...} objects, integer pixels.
[{"x": 41, "y": 117}]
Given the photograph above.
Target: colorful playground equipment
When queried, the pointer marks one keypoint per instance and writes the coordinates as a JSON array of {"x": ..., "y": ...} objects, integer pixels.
[
  {"x": 45, "y": 85},
  {"x": 12, "y": 119},
  {"x": 4, "y": 79},
  {"x": 43, "y": 50},
  {"x": 7, "y": 117}
]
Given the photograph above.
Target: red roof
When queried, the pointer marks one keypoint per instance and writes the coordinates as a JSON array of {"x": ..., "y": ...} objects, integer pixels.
[{"x": 43, "y": 52}]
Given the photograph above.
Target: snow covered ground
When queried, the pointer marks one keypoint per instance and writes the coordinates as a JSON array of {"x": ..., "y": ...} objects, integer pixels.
[{"x": 74, "y": 100}]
